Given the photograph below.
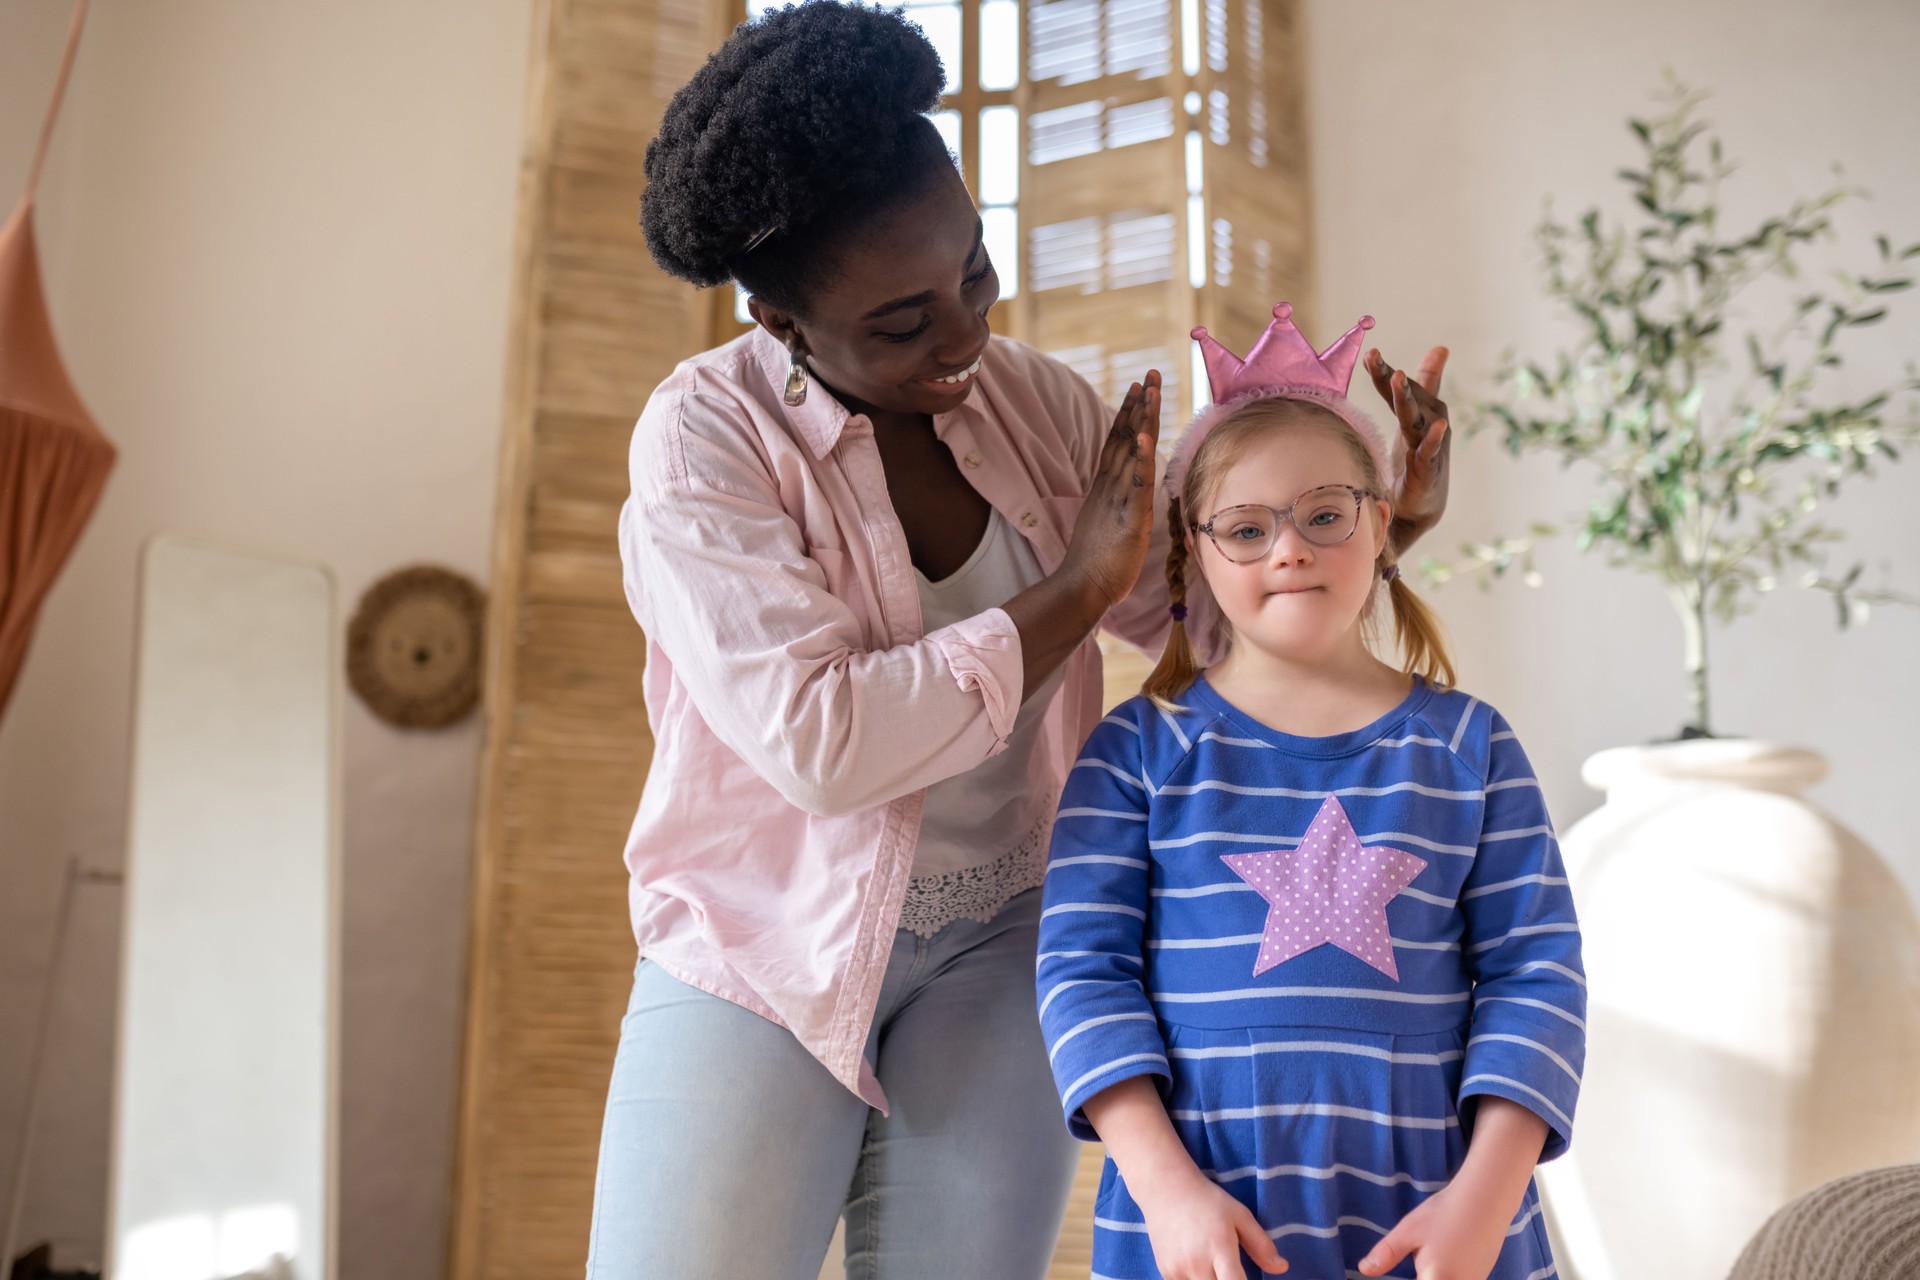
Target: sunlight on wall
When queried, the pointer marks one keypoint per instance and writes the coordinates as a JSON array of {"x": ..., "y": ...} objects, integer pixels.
[{"x": 261, "y": 1240}]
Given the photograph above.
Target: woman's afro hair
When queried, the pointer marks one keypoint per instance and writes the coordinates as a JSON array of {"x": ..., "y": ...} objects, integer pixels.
[{"x": 810, "y": 111}]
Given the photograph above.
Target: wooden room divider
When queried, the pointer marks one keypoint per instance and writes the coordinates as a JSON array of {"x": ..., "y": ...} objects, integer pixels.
[{"x": 595, "y": 325}]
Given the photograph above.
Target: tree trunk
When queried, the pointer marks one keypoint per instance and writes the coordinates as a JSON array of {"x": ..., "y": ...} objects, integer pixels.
[{"x": 1692, "y": 606}]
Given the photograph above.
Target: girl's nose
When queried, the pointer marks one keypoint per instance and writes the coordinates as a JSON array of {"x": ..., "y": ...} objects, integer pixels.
[{"x": 1289, "y": 547}]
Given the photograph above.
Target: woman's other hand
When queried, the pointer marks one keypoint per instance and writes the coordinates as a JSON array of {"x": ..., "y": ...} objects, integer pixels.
[
  {"x": 1109, "y": 543},
  {"x": 1425, "y": 437}
]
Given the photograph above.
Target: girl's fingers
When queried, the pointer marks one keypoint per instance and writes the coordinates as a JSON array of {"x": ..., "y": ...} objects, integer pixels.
[
  {"x": 1429, "y": 450},
  {"x": 1432, "y": 368},
  {"x": 1258, "y": 1244},
  {"x": 1386, "y": 1255}
]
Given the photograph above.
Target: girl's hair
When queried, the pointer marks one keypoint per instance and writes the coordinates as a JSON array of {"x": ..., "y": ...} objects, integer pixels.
[
  {"x": 803, "y": 128},
  {"x": 1422, "y": 643}
]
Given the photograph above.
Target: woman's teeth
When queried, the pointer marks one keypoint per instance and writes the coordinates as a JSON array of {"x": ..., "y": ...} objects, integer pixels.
[{"x": 955, "y": 379}]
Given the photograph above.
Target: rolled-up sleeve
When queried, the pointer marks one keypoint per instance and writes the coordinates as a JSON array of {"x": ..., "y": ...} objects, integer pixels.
[{"x": 721, "y": 579}]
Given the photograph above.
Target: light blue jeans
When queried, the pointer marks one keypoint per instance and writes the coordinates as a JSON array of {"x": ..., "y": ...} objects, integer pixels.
[{"x": 728, "y": 1152}]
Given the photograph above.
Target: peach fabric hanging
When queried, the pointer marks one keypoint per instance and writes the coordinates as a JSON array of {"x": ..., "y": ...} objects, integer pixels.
[{"x": 53, "y": 459}]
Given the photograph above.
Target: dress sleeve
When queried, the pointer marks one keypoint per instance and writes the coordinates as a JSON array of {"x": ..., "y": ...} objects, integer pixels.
[
  {"x": 1098, "y": 1022},
  {"x": 1528, "y": 1036},
  {"x": 722, "y": 580}
]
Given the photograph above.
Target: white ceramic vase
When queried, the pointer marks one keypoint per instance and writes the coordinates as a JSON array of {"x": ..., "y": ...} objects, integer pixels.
[{"x": 1754, "y": 1008}]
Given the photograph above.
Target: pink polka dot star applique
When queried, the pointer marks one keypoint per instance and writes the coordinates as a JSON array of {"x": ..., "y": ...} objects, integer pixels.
[{"x": 1331, "y": 889}]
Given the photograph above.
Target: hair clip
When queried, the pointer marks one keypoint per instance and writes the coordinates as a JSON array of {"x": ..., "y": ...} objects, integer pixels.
[
  {"x": 1389, "y": 573},
  {"x": 1179, "y": 612},
  {"x": 760, "y": 238}
]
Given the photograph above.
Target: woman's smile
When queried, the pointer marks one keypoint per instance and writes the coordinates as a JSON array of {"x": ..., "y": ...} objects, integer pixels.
[{"x": 960, "y": 380}]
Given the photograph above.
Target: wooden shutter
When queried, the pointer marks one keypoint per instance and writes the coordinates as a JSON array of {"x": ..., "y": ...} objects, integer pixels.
[
  {"x": 1122, "y": 259},
  {"x": 595, "y": 327},
  {"x": 1257, "y": 199},
  {"x": 1103, "y": 191}
]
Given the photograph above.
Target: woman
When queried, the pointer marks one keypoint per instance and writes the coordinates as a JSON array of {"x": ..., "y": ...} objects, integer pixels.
[{"x": 869, "y": 545}]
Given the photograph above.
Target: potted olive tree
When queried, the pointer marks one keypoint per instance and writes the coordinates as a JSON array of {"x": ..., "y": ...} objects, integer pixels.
[
  {"x": 1755, "y": 967},
  {"x": 1714, "y": 453}
]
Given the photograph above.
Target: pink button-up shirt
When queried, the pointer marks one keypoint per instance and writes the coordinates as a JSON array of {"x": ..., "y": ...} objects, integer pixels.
[{"x": 798, "y": 711}]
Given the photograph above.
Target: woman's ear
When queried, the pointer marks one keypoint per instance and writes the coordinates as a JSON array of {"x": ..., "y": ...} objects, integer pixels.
[{"x": 776, "y": 322}]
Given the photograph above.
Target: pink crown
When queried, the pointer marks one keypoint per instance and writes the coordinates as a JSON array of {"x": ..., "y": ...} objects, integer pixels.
[{"x": 1282, "y": 358}]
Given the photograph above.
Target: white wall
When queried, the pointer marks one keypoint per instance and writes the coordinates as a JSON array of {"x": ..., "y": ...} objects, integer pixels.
[
  {"x": 277, "y": 241},
  {"x": 1437, "y": 130}
]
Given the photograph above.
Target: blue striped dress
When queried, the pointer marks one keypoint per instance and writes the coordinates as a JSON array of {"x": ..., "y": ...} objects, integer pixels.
[{"x": 1323, "y": 949}]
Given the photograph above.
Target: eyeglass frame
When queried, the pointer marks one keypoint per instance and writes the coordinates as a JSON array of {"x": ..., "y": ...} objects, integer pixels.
[{"x": 1284, "y": 515}]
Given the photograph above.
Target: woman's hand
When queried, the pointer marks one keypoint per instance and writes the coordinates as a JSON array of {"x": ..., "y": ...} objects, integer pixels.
[
  {"x": 1109, "y": 543},
  {"x": 1424, "y": 433},
  {"x": 1198, "y": 1231},
  {"x": 1108, "y": 547}
]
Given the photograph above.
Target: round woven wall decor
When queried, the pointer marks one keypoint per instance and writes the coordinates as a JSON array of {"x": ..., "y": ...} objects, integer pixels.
[{"x": 414, "y": 647}]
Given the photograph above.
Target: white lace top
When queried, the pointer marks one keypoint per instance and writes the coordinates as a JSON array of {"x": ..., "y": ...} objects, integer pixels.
[{"x": 983, "y": 834}]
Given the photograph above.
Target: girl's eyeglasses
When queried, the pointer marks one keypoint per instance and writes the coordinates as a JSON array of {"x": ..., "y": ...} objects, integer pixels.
[{"x": 1325, "y": 517}]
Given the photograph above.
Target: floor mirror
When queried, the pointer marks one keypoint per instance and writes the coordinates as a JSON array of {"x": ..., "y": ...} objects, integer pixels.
[{"x": 224, "y": 1097}]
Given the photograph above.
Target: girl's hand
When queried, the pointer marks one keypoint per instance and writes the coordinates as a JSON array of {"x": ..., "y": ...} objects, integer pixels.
[
  {"x": 1198, "y": 1231},
  {"x": 1455, "y": 1234},
  {"x": 1109, "y": 544},
  {"x": 1424, "y": 433}
]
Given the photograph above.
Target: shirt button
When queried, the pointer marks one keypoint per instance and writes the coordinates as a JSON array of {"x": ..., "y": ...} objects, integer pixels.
[
  {"x": 972, "y": 459},
  {"x": 1029, "y": 519}
]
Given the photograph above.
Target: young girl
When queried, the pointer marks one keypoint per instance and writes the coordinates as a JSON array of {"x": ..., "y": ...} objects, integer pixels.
[{"x": 1308, "y": 961}]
